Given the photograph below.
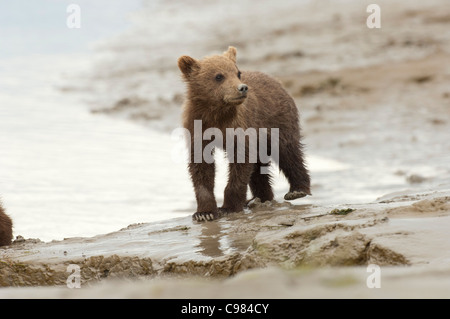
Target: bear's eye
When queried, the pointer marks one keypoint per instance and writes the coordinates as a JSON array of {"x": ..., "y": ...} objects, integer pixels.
[
  {"x": 239, "y": 75},
  {"x": 219, "y": 77}
]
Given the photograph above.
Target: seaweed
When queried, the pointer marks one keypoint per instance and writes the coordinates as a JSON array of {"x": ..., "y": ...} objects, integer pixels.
[{"x": 342, "y": 212}]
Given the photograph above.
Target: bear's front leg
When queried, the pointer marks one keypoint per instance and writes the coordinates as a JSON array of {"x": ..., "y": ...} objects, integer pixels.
[
  {"x": 202, "y": 175},
  {"x": 236, "y": 190}
]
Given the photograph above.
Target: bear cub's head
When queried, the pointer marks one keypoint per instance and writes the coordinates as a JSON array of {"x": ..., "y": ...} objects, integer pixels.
[{"x": 215, "y": 80}]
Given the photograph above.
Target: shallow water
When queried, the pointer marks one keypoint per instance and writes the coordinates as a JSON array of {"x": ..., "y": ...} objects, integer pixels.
[{"x": 66, "y": 172}]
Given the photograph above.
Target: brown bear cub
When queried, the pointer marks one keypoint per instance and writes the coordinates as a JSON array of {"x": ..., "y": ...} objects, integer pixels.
[
  {"x": 221, "y": 96},
  {"x": 5, "y": 228}
]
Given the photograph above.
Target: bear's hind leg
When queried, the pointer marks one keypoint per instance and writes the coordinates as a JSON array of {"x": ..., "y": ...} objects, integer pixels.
[{"x": 292, "y": 165}]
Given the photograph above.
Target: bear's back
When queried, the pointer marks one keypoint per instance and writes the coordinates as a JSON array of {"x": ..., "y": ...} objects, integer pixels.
[{"x": 269, "y": 103}]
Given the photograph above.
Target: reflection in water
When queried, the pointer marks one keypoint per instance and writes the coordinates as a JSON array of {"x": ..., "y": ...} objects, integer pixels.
[{"x": 210, "y": 239}]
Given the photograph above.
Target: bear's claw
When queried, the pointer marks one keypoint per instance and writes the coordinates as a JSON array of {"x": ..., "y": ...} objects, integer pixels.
[
  {"x": 209, "y": 216},
  {"x": 202, "y": 217}
]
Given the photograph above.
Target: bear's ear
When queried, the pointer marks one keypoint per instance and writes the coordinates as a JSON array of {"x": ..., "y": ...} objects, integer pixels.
[
  {"x": 231, "y": 53},
  {"x": 187, "y": 65}
]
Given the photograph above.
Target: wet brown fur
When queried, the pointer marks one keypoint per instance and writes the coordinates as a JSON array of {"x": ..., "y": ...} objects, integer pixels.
[
  {"x": 219, "y": 104},
  {"x": 5, "y": 228}
]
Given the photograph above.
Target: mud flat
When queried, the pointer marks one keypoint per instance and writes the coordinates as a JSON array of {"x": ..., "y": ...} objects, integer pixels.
[{"x": 289, "y": 248}]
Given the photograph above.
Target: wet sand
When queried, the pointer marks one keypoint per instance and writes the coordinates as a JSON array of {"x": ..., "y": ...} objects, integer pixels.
[{"x": 294, "y": 248}]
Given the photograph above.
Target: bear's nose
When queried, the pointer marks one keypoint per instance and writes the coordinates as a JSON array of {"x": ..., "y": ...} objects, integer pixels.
[{"x": 243, "y": 88}]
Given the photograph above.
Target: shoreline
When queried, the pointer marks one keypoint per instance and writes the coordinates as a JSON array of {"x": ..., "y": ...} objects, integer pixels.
[{"x": 274, "y": 239}]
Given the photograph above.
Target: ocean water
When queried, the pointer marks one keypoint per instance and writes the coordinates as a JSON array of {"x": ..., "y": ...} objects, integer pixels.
[
  {"x": 66, "y": 172},
  {"x": 63, "y": 171}
]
